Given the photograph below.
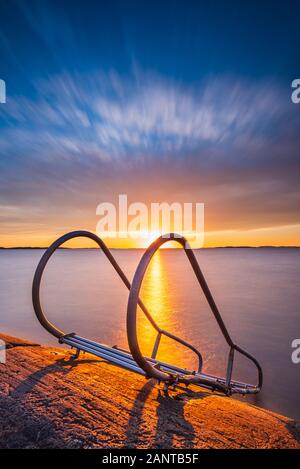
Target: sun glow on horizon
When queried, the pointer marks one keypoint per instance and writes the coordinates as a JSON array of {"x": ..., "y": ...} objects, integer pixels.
[{"x": 286, "y": 235}]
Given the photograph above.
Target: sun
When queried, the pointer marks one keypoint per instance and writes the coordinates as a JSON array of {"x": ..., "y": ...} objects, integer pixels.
[{"x": 148, "y": 237}]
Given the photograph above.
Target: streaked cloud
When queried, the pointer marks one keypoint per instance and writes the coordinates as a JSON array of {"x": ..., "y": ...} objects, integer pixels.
[
  {"x": 82, "y": 139},
  {"x": 147, "y": 114}
]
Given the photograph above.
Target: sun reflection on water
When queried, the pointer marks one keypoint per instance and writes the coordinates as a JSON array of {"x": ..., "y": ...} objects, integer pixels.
[{"x": 156, "y": 294}]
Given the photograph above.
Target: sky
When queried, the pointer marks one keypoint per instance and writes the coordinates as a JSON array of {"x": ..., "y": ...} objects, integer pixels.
[{"x": 173, "y": 101}]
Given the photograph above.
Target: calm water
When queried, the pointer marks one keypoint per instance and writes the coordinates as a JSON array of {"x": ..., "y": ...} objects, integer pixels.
[{"x": 257, "y": 292}]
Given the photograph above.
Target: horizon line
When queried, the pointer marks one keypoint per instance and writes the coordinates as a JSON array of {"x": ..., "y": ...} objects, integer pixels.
[{"x": 171, "y": 249}]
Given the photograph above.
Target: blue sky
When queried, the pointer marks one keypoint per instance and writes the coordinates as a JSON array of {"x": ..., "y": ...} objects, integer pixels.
[
  {"x": 182, "y": 40},
  {"x": 185, "y": 101}
]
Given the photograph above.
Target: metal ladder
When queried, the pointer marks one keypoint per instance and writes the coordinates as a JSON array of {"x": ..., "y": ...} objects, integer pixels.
[{"x": 133, "y": 360}]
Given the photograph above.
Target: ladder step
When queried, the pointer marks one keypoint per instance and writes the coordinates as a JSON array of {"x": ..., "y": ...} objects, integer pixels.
[
  {"x": 103, "y": 354},
  {"x": 122, "y": 352},
  {"x": 123, "y": 358}
]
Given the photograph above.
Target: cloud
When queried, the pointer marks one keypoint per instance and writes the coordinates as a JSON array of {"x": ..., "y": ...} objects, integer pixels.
[
  {"x": 148, "y": 114},
  {"x": 165, "y": 117},
  {"x": 81, "y": 139}
]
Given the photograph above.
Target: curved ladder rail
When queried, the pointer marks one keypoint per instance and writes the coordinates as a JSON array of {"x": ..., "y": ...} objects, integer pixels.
[
  {"x": 113, "y": 354},
  {"x": 225, "y": 385}
]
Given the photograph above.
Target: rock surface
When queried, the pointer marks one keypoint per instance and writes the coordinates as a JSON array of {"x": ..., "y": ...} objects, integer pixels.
[{"x": 49, "y": 401}]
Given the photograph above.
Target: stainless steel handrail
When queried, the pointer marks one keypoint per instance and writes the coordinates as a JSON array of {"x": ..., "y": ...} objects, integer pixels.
[
  {"x": 37, "y": 284},
  {"x": 136, "y": 361},
  {"x": 149, "y": 369}
]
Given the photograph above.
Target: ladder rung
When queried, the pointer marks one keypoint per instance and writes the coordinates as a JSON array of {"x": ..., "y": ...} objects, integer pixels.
[
  {"x": 104, "y": 354},
  {"x": 128, "y": 355},
  {"x": 125, "y": 359}
]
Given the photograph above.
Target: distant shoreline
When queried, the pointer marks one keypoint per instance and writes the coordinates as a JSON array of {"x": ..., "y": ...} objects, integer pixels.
[{"x": 143, "y": 249}]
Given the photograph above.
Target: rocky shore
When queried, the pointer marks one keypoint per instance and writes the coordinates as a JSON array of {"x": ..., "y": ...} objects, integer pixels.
[{"x": 50, "y": 401}]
